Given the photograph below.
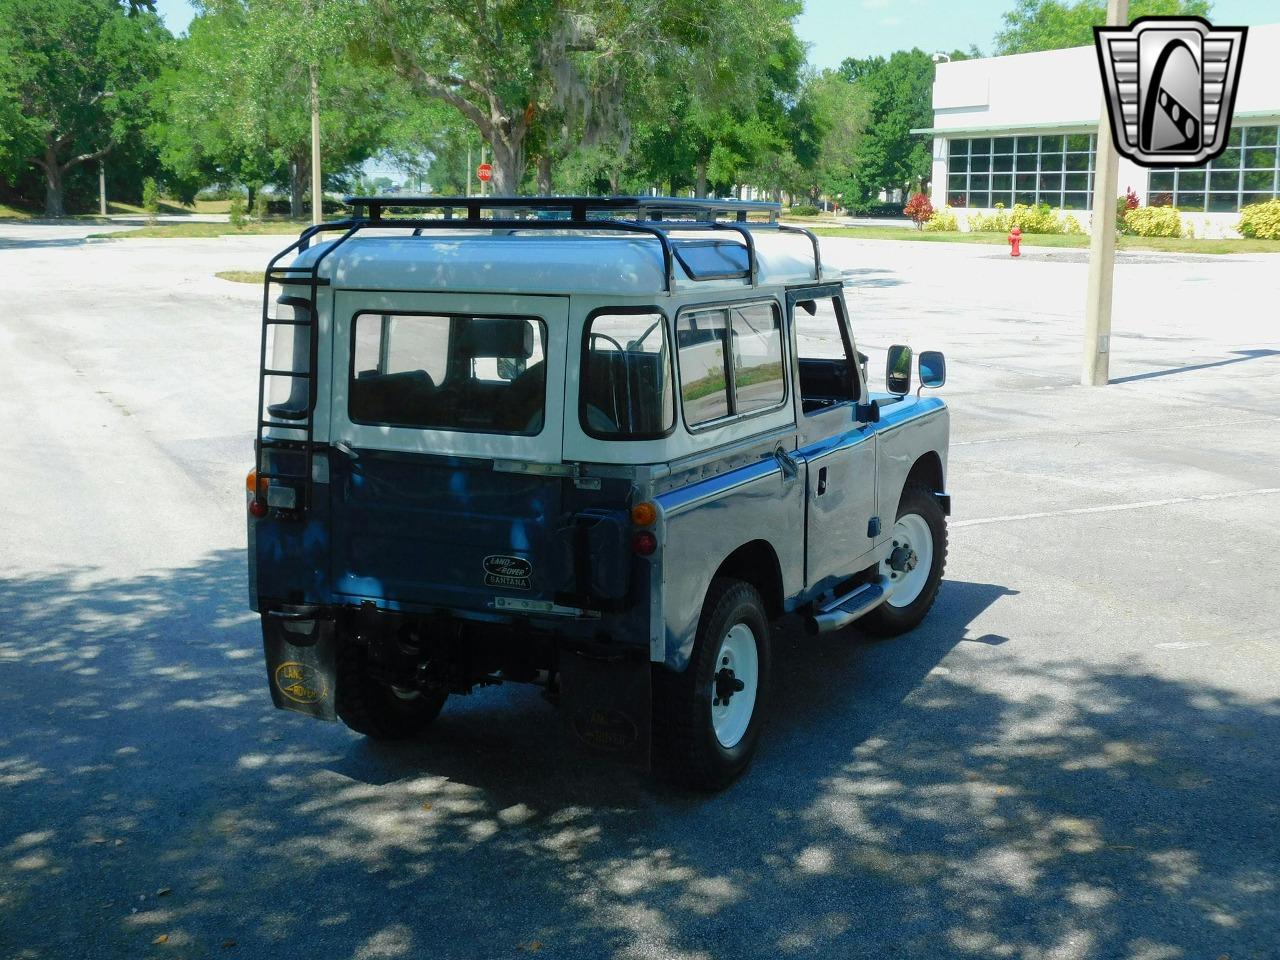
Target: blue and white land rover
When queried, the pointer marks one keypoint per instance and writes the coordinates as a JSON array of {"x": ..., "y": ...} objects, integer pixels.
[{"x": 597, "y": 444}]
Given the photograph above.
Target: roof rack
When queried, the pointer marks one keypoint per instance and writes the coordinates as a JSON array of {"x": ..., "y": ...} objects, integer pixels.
[
  {"x": 653, "y": 216},
  {"x": 656, "y": 209}
]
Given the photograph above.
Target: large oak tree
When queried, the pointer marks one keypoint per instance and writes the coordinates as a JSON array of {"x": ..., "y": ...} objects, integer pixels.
[{"x": 74, "y": 84}]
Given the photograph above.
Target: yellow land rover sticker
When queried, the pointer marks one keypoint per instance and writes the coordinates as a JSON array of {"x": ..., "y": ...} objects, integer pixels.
[{"x": 299, "y": 682}]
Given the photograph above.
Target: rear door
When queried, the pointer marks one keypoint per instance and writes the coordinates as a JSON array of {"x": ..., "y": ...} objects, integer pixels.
[{"x": 451, "y": 406}]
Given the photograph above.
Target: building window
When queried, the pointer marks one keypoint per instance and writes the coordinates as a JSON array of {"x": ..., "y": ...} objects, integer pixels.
[
  {"x": 1248, "y": 171},
  {"x": 1057, "y": 170}
]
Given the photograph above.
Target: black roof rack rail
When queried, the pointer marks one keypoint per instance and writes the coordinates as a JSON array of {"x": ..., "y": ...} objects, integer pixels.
[{"x": 577, "y": 208}]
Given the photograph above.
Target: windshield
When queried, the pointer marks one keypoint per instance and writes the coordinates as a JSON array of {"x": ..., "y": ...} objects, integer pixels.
[{"x": 470, "y": 374}]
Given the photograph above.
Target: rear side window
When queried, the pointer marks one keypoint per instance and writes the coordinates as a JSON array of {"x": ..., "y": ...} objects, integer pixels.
[
  {"x": 469, "y": 374},
  {"x": 704, "y": 380},
  {"x": 627, "y": 390},
  {"x": 757, "y": 358},
  {"x": 731, "y": 361}
]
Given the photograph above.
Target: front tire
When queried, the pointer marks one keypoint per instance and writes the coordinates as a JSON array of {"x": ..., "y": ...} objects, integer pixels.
[
  {"x": 707, "y": 720},
  {"x": 914, "y": 569},
  {"x": 375, "y": 709}
]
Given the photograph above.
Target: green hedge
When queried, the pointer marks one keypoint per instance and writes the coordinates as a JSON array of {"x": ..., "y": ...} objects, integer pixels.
[
  {"x": 1260, "y": 220},
  {"x": 1153, "y": 222},
  {"x": 942, "y": 221}
]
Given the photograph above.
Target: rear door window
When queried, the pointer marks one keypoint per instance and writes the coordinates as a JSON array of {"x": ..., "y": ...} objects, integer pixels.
[
  {"x": 627, "y": 390},
  {"x": 464, "y": 373}
]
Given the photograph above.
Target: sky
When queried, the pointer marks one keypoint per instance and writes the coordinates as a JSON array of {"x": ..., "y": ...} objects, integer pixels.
[{"x": 835, "y": 29}]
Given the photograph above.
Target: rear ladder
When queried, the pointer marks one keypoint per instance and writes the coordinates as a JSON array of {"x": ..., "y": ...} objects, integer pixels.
[{"x": 286, "y": 454}]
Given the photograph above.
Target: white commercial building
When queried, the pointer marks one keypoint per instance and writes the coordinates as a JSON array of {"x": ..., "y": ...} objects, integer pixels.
[{"x": 1024, "y": 128}]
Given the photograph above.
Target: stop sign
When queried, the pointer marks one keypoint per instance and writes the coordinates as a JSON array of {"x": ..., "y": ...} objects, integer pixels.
[{"x": 485, "y": 172}]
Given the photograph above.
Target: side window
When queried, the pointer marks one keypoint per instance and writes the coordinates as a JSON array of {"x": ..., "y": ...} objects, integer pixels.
[
  {"x": 828, "y": 375},
  {"x": 627, "y": 391},
  {"x": 704, "y": 385},
  {"x": 758, "y": 381}
]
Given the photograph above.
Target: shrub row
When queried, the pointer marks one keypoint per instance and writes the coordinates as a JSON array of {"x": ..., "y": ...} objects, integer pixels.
[
  {"x": 1261, "y": 220},
  {"x": 1153, "y": 222}
]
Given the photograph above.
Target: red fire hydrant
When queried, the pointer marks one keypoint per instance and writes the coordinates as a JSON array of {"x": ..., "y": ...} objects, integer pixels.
[{"x": 1015, "y": 241}]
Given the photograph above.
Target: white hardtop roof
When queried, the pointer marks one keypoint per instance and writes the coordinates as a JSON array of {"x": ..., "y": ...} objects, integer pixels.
[{"x": 545, "y": 263}]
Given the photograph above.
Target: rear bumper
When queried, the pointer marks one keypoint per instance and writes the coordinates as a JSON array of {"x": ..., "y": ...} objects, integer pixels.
[{"x": 604, "y": 687}]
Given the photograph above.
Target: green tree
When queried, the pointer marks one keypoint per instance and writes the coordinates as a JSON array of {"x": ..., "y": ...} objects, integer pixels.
[
  {"x": 74, "y": 84},
  {"x": 840, "y": 109},
  {"x": 546, "y": 79},
  {"x": 238, "y": 101},
  {"x": 724, "y": 107},
  {"x": 899, "y": 94},
  {"x": 1054, "y": 24}
]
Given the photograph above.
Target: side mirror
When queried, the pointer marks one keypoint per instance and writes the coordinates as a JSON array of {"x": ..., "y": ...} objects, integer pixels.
[
  {"x": 933, "y": 369},
  {"x": 898, "y": 373}
]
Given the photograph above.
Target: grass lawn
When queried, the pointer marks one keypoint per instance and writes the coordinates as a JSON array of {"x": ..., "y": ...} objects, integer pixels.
[
  {"x": 208, "y": 230},
  {"x": 241, "y": 276},
  {"x": 1162, "y": 244}
]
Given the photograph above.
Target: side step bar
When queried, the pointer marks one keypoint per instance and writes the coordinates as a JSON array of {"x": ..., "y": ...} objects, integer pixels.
[{"x": 842, "y": 611}]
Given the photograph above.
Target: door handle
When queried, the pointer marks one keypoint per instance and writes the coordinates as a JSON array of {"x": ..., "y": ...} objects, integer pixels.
[
  {"x": 822, "y": 481},
  {"x": 790, "y": 468}
]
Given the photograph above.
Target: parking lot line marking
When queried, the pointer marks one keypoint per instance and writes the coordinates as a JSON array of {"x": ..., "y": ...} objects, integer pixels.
[
  {"x": 1114, "y": 507},
  {"x": 1167, "y": 425}
]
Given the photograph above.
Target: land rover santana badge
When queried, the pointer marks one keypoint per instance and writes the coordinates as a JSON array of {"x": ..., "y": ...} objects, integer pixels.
[{"x": 512, "y": 573}]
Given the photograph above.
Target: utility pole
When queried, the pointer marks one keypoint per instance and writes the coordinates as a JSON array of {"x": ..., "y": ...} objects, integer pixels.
[
  {"x": 102, "y": 188},
  {"x": 1102, "y": 245},
  {"x": 317, "y": 198},
  {"x": 470, "y": 170}
]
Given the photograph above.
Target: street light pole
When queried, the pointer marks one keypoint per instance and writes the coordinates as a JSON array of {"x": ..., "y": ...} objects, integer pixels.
[
  {"x": 317, "y": 205},
  {"x": 1102, "y": 245}
]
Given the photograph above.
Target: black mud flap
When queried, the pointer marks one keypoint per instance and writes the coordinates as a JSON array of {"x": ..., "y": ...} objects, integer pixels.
[
  {"x": 607, "y": 702},
  {"x": 300, "y": 662}
]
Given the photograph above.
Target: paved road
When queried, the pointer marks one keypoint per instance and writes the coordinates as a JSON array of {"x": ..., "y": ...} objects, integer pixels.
[{"x": 1074, "y": 758}]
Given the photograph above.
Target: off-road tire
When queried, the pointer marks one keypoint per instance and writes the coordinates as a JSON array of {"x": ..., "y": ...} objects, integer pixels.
[
  {"x": 685, "y": 748},
  {"x": 373, "y": 708},
  {"x": 887, "y": 620}
]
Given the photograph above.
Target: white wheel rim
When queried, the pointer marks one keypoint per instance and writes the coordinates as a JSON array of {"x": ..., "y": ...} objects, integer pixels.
[
  {"x": 912, "y": 540},
  {"x": 736, "y": 662}
]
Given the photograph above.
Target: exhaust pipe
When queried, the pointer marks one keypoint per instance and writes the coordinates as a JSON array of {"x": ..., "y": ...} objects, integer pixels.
[{"x": 842, "y": 611}]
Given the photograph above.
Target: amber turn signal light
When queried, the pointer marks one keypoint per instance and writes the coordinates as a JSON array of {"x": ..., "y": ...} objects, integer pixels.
[{"x": 644, "y": 514}]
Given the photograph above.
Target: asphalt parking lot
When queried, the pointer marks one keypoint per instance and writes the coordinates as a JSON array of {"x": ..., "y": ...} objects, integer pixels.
[{"x": 1073, "y": 758}]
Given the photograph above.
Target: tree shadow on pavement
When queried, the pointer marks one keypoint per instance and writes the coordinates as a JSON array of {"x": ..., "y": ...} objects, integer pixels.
[{"x": 932, "y": 795}]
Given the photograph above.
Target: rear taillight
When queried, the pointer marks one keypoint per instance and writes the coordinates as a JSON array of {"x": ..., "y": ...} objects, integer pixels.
[
  {"x": 257, "y": 503},
  {"x": 644, "y": 543}
]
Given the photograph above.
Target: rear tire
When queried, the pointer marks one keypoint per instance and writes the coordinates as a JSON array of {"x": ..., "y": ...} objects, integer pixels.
[
  {"x": 707, "y": 720},
  {"x": 375, "y": 709},
  {"x": 920, "y": 519}
]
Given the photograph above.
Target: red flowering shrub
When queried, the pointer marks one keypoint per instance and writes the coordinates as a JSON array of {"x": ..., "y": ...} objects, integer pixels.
[{"x": 919, "y": 209}]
